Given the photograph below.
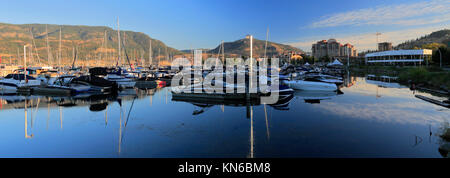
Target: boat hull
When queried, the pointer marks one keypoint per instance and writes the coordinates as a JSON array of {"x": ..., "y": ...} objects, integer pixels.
[{"x": 308, "y": 85}]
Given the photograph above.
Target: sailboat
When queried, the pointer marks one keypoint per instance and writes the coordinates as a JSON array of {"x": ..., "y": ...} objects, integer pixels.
[
  {"x": 10, "y": 83},
  {"x": 117, "y": 76}
]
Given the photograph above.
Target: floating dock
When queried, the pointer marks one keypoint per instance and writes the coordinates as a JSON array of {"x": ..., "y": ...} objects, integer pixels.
[
  {"x": 52, "y": 91},
  {"x": 433, "y": 91},
  {"x": 431, "y": 100}
]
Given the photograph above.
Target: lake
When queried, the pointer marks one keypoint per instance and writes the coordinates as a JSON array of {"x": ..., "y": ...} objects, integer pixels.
[{"x": 370, "y": 119}]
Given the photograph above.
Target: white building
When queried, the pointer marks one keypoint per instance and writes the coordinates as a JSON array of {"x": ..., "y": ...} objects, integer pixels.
[{"x": 394, "y": 57}]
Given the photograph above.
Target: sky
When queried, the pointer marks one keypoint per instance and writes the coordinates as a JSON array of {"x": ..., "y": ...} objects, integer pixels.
[{"x": 190, "y": 24}]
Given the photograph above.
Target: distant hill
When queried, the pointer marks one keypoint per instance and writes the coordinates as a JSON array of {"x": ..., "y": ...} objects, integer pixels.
[
  {"x": 88, "y": 40},
  {"x": 441, "y": 37},
  {"x": 242, "y": 48}
]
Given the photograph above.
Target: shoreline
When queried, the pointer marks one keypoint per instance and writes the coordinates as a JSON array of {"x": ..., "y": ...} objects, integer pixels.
[{"x": 430, "y": 77}]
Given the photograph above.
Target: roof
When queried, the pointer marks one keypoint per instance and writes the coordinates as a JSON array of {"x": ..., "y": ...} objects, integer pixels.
[
  {"x": 335, "y": 62},
  {"x": 401, "y": 52}
]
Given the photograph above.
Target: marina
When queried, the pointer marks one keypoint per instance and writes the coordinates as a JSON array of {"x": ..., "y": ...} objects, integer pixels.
[{"x": 226, "y": 79}]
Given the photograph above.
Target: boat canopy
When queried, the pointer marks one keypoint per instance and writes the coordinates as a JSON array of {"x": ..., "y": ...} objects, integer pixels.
[
  {"x": 19, "y": 77},
  {"x": 335, "y": 63}
]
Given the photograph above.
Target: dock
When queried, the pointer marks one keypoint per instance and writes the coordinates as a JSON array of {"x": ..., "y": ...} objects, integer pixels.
[
  {"x": 433, "y": 91},
  {"x": 52, "y": 91},
  {"x": 431, "y": 100}
]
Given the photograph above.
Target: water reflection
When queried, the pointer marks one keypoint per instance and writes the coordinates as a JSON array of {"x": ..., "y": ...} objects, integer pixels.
[
  {"x": 364, "y": 120},
  {"x": 444, "y": 141},
  {"x": 314, "y": 97}
]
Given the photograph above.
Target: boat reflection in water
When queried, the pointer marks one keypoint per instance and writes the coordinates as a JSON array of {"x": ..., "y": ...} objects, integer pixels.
[
  {"x": 95, "y": 103},
  {"x": 314, "y": 97}
]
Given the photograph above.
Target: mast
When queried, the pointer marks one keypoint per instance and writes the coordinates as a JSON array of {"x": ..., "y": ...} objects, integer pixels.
[
  {"x": 223, "y": 53},
  {"x": 150, "y": 52},
  {"x": 265, "y": 47},
  {"x": 106, "y": 48},
  {"x": 167, "y": 55},
  {"x": 25, "y": 62},
  {"x": 118, "y": 35},
  {"x": 48, "y": 47},
  {"x": 251, "y": 63},
  {"x": 59, "y": 52},
  {"x": 34, "y": 46}
]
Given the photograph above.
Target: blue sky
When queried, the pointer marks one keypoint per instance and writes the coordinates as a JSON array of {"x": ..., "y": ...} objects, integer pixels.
[{"x": 186, "y": 24}]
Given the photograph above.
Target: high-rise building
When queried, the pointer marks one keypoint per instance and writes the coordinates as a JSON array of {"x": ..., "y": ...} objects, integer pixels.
[
  {"x": 348, "y": 48},
  {"x": 385, "y": 46},
  {"x": 332, "y": 48}
]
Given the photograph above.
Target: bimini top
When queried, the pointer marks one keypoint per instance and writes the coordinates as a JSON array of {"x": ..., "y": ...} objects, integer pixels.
[{"x": 401, "y": 52}]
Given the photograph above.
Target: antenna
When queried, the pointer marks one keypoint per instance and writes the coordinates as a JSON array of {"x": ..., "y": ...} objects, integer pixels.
[{"x": 377, "y": 34}]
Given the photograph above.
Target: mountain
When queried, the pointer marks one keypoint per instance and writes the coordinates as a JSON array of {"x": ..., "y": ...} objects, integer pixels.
[
  {"x": 437, "y": 38},
  {"x": 88, "y": 40},
  {"x": 241, "y": 47}
]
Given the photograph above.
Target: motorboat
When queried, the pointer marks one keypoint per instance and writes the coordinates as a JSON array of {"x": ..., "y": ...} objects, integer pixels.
[
  {"x": 10, "y": 83},
  {"x": 97, "y": 84},
  {"x": 122, "y": 81},
  {"x": 65, "y": 85},
  {"x": 311, "y": 85}
]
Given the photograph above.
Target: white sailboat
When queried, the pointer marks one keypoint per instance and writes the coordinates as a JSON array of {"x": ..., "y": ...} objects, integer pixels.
[
  {"x": 117, "y": 77},
  {"x": 10, "y": 83}
]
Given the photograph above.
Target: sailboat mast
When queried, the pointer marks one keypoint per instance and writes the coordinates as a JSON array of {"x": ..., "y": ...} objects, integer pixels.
[
  {"x": 265, "y": 47},
  {"x": 48, "y": 46},
  {"x": 223, "y": 52},
  {"x": 118, "y": 34},
  {"x": 150, "y": 52},
  {"x": 59, "y": 52},
  {"x": 251, "y": 63},
  {"x": 34, "y": 46},
  {"x": 25, "y": 62}
]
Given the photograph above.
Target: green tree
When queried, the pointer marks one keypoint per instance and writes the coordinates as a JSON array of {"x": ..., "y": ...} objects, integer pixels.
[{"x": 445, "y": 56}]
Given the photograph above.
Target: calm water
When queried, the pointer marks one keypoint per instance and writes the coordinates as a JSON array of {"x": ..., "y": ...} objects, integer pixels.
[{"x": 368, "y": 120}]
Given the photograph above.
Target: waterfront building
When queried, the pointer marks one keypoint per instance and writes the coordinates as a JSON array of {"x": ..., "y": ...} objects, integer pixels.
[
  {"x": 332, "y": 49},
  {"x": 385, "y": 46},
  {"x": 402, "y": 57},
  {"x": 348, "y": 48}
]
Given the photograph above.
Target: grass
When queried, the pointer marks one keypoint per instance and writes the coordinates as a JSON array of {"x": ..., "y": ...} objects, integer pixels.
[{"x": 433, "y": 77}]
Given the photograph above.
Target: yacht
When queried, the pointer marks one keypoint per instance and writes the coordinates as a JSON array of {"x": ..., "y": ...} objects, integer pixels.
[
  {"x": 67, "y": 84},
  {"x": 122, "y": 81},
  {"x": 10, "y": 83}
]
